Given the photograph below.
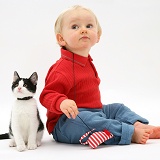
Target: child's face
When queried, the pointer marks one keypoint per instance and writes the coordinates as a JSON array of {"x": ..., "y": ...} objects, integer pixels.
[{"x": 79, "y": 31}]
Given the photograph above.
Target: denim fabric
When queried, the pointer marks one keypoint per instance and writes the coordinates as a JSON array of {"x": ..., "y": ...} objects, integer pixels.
[{"x": 116, "y": 118}]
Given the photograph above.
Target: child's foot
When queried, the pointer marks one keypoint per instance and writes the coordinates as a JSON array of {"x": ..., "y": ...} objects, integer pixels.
[
  {"x": 141, "y": 136},
  {"x": 156, "y": 130},
  {"x": 156, "y": 133}
]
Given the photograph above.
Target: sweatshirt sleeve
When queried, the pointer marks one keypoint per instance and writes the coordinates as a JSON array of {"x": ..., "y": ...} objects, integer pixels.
[{"x": 56, "y": 88}]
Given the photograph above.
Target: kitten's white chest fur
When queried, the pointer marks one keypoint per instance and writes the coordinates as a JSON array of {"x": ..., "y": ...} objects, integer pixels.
[{"x": 24, "y": 114}]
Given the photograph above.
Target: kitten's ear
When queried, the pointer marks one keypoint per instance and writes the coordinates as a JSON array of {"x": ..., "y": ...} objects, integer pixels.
[
  {"x": 15, "y": 76},
  {"x": 34, "y": 78}
]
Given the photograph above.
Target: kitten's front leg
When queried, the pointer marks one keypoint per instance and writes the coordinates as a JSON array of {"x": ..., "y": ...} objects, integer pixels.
[
  {"x": 18, "y": 139},
  {"x": 32, "y": 134},
  {"x": 19, "y": 142}
]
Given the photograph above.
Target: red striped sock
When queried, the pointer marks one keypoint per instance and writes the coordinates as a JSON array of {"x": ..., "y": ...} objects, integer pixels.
[{"x": 96, "y": 138}]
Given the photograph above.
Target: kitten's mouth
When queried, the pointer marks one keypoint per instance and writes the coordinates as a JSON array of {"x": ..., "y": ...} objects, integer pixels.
[{"x": 19, "y": 92}]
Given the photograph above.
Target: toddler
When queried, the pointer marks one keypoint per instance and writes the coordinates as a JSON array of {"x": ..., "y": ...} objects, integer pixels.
[{"x": 71, "y": 93}]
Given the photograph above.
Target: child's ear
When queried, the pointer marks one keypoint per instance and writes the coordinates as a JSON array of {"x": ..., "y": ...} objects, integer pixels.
[{"x": 60, "y": 40}]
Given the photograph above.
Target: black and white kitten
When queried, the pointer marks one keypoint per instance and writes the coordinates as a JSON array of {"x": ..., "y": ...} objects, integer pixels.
[{"x": 26, "y": 127}]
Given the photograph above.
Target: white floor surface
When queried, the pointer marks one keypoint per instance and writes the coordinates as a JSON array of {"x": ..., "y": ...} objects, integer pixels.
[{"x": 51, "y": 150}]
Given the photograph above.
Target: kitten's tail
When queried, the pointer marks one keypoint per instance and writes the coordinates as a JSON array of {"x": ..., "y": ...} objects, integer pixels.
[{"x": 4, "y": 136}]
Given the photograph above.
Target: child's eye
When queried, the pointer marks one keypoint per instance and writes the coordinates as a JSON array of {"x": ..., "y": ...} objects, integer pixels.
[
  {"x": 89, "y": 26},
  {"x": 75, "y": 27}
]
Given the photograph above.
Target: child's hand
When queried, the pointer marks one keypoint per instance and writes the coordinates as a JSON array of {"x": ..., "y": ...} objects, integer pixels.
[{"x": 69, "y": 108}]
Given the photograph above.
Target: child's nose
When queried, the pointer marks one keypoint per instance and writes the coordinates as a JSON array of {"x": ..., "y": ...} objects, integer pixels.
[{"x": 83, "y": 30}]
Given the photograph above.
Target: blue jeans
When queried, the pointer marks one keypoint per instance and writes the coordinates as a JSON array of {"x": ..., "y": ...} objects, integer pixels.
[{"x": 116, "y": 118}]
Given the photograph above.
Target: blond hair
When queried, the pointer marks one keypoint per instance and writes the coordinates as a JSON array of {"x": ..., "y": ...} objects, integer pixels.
[{"x": 58, "y": 23}]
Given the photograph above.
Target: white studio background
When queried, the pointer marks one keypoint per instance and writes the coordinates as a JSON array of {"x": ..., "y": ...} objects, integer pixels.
[{"x": 127, "y": 57}]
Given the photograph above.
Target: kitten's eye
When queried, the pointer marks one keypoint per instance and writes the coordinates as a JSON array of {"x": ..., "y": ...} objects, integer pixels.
[
  {"x": 75, "y": 26},
  {"x": 16, "y": 85},
  {"x": 89, "y": 26},
  {"x": 25, "y": 85}
]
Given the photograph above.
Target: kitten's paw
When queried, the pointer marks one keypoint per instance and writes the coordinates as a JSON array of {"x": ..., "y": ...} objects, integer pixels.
[
  {"x": 38, "y": 143},
  {"x": 32, "y": 146},
  {"x": 12, "y": 143},
  {"x": 21, "y": 148}
]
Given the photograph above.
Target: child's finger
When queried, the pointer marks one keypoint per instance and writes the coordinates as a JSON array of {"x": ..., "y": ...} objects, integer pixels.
[
  {"x": 67, "y": 113},
  {"x": 72, "y": 112}
]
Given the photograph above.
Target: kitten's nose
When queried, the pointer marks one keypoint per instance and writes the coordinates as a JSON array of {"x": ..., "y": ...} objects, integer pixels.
[{"x": 19, "y": 88}]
